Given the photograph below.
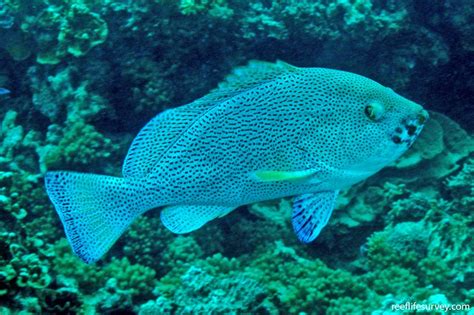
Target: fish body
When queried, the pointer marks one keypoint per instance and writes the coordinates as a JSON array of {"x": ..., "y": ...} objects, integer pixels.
[{"x": 268, "y": 131}]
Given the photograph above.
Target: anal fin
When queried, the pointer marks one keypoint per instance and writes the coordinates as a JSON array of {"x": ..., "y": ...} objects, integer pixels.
[
  {"x": 187, "y": 218},
  {"x": 311, "y": 213}
]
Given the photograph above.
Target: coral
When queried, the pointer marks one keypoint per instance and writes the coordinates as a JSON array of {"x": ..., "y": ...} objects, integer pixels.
[
  {"x": 182, "y": 250},
  {"x": 297, "y": 284},
  {"x": 450, "y": 239},
  {"x": 160, "y": 306},
  {"x": 414, "y": 253},
  {"x": 63, "y": 28},
  {"x": 85, "y": 30},
  {"x": 112, "y": 299},
  {"x": 54, "y": 94},
  {"x": 203, "y": 293},
  {"x": 11, "y": 136},
  {"x": 61, "y": 300},
  {"x": 214, "y": 265},
  {"x": 380, "y": 255},
  {"x": 215, "y": 8},
  {"x": 149, "y": 91},
  {"x": 318, "y": 20},
  {"x": 279, "y": 213},
  {"x": 200, "y": 292},
  {"x": 81, "y": 144},
  {"x": 347, "y": 305},
  {"x": 136, "y": 279},
  {"x": 22, "y": 268},
  {"x": 88, "y": 277},
  {"x": 146, "y": 242},
  {"x": 394, "y": 279},
  {"x": 460, "y": 185},
  {"x": 458, "y": 14},
  {"x": 412, "y": 206},
  {"x": 6, "y": 17},
  {"x": 409, "y": 236}
]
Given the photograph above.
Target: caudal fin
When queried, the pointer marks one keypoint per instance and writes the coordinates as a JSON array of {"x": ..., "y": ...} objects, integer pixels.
[{"x": 94, "y": 209}]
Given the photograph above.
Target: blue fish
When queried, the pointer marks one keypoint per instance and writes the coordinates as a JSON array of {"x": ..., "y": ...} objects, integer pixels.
[
  {"x": 268, "y": 131},
  {"x": 4, "y": 91}
]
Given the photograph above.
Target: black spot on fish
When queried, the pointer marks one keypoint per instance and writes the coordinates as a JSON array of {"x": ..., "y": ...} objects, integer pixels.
[
  {"x": 411, "y": 130},
  {"x": 396, "y": 139}
]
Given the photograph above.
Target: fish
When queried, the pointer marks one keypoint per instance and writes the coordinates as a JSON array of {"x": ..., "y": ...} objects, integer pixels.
[
  {"x": 268, "y": 131},
  {"x": 4, "y": 91}
]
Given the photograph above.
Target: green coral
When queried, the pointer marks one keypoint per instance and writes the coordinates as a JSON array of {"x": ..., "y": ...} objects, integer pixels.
[
  {"x": 460, "y": 185},
  {"x": 135, "y": 278},
  {"x": 401, "y": 262},
  {"x": 81, "y": 144},
  {"x": 320, "y": 20},
  {"x": 302, "y": 285},
  {"x": 215, "y": 8},
  {"x": 59, "y": 29},
  {"x": 201, "y": 293},
  {"x": 24, "y": 266},
  {"x": 148, "y": 237},
  {"x": 84, "y": 30}
]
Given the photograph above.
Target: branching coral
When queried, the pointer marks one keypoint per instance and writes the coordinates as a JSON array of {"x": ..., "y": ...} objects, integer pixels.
[
  {"x": 136, "y": 279},
  {"x": 81, "y": 144}
]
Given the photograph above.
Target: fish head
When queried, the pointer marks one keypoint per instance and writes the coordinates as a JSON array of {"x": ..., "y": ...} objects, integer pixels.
[{"x": 390, "y": 124}]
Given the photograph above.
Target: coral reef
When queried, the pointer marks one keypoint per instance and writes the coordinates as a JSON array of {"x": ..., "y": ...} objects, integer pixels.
[
  {"x": 85, "y": 76},
  {"x": 57, "y": 29},
  {"x": 200, "y": 292}
]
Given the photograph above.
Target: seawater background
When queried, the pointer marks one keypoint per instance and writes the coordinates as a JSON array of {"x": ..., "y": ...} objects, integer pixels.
[{"x": 85, "y": 76}]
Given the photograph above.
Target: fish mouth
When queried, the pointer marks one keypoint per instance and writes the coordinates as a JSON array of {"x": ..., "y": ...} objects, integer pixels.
[{"x": 409, "y": 129}]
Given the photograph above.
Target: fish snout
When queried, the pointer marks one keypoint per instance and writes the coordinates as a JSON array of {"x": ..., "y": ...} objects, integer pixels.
[
  {"x": 422, "y": 117},
  {"x": 410, "y": 128}
]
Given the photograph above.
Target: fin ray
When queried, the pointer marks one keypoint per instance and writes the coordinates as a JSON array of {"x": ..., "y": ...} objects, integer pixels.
[
  {"x": 187, "y": 218},
  {"x": 311, "y": 213},
  {"x": 94, "y": 209}
]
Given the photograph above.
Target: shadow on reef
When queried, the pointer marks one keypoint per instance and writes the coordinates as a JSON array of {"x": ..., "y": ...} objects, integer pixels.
[{"x": 85, "y": 76}]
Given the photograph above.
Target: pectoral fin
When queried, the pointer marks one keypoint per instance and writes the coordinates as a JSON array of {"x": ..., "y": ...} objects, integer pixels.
[
  {"x": 311, "y": 213},
  {"x": 278, "y": 176}
]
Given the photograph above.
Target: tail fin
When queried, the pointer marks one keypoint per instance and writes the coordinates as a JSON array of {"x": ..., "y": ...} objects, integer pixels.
[{"x": 94, "y": 209}]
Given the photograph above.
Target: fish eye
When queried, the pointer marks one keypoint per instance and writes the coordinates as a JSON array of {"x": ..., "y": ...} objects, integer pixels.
[{"x": 374, "y": 111}]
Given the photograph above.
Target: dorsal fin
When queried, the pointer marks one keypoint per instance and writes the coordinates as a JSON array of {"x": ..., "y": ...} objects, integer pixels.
[
  {"x": 165, "y": 129},
  {"x": 155, "y": 138},
  {"x": 247, "y": 77}
]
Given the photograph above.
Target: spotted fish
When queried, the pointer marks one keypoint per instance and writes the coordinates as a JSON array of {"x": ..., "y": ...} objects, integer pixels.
[{"x": 270, "y": 130}]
